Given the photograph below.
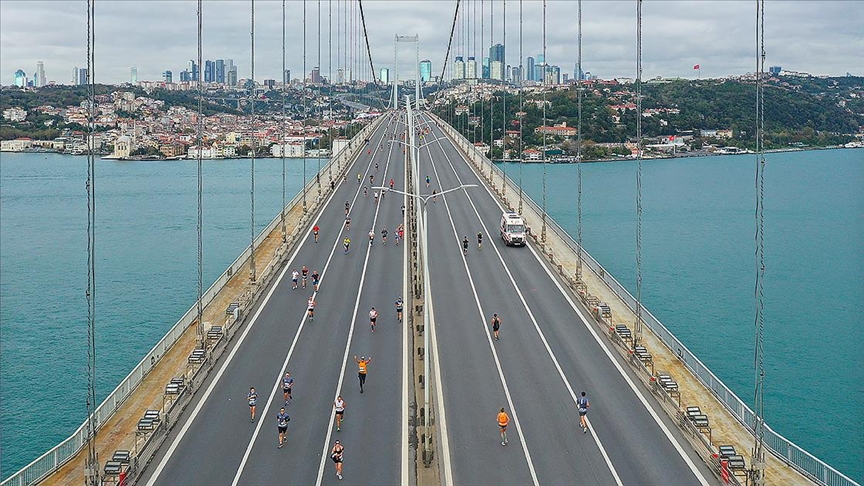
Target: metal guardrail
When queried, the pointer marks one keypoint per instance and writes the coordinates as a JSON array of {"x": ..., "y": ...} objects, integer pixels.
[
  {"x": 784, "y": 449},
  {"x": 63, "y": 452}
]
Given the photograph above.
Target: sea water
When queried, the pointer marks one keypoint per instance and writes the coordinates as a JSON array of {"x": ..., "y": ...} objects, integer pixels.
[{"x": 698, "y": 273}]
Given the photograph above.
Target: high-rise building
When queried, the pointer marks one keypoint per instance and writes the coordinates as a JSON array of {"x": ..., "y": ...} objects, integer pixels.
[
  {"x": 286, "y": 77},
  {"x": 193, "y": 70},
  {"x": 496, "y": 70},
  {"x": 540, "y": 68},
  {"x": 516, "y": 75},
  {"x": 83, "y": 76},
  {"x": 167, "y": 77},
  {"x": 553, "y": 75},
  {"x": 209, "y": 71},
  {"x": 230, "y": 73},
  {"x": 425, "y": 70},
  {"x": 220, "y": 71},
  {"x": 270, "y": 84},
  {"x": 485, "y": 67},
  {"x": 471, "y": 68},
  {"x": 385, "y": 76},
  {"x": 39, "y": 78},
  {"x": 185, "y": 76},
  {"x": 315, "y": 75},
  {"x": 20, "y": 78},
  {"x": 459, "y": 68},
  {"x": 133, "y": 75},
  {"x": 529, "y": 65},
  {"x": 775, "y": 70},
  {"x": 496, "y": 53}
]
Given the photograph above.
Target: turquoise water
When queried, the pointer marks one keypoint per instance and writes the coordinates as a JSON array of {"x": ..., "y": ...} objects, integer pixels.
[
  {"x": 146, "y": 271},
  {"x": 698, "y": 274},
  {"x": 698, "y": 271}
]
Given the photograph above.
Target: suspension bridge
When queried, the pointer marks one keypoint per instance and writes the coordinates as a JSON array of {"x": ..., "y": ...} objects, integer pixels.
[{"x": 437, "y": 378}]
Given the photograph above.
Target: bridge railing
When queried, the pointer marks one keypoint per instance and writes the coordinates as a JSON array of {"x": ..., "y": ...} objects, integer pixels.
[
  {"x": 786, "y": 450},
  {"x": 51, "y": 460}
]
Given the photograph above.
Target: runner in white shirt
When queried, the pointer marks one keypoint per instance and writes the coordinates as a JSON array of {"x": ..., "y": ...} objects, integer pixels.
[
  {"x": 310, "y": 306},
  {"x": 295, "y": 275},
  {"x": 339, "y": 406},
  {"x": 373, "y": 316}
]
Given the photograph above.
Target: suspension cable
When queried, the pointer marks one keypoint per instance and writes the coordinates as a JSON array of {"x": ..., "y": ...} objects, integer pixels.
[
  {"x": 545, "y": 87},
  {"x": 92, "y": 467},
  {"x": 638, "y": 338},
  {"x": 759, "y": 324},
  {"x": 521, "y": 104},
  {"x": 330, "y": 81},
  {"x": 252, "y": 272},
  {"x": 492, "y": 91},
  {"x": 318, "y": 173},
  {"x": 199, "y": 328},
  {"x": 284, "y": 128},
  {"x": 303, "y": 125},
  {"x": 366, "y": 37},
  {"x": 449, "y": 45},
  {"x": 579, "y": 144},
  {"x": 506, "y": 86}
]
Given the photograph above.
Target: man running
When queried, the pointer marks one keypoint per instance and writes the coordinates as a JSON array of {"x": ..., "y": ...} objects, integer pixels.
[
  {"x": 373, "y": 316},
  {"x": 359, "y": 178},
  {"x": 346, "y": 243},
  {"x": 282, "y": 419},
  {"x": 362, "y": 363},
  {"x": 503, "y": 421},
  {"x": 336, "y": 455},
  {"x": 479, "y": 241},
  {"x": 384, "y": 236},
  {"x": 582, "y": 404},
  {"x": 464, "y": 245},
  {"x": 347, "y": 207},
  {"x": 371, "y": 179},
  {"x": 339, "y": 407},
  {"x": 371, "y": 237},
  {"x": 375, "y": 194},
  {"x": 252, "y": 399},
  {"x": 496, "y": 325},
  {"x": 428, "y": 180},
  {"x": 347, "y": 224},
  {"x": 316, "y": 277},
  {"x": 295, "y": 275},
  {"x": 391, "y": 183},
  {"x": 287, "y": 384},
  {"x": 365, "y": 191},
  {"x": 434, "y": 195},
  {"x": 315, "y": 230},
  {"x": 310, "y": 307},
  {"x": 376, "y": 166},
  {"x": 403, "y": 210},
  {"x": 399, "y": 307},
  {"x": 304, "y": 275}
]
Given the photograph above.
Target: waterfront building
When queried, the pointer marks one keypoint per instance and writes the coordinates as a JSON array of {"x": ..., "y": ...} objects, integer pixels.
[
  {"x": 123, "y": 147},
  {"x": 425, "y": 70},
  {"x": 20, "y": 78}
]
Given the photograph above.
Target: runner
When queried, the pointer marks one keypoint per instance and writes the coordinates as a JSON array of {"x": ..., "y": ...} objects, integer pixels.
[
  {"x": 391, "y": 183},
  {"x": 373, "y": 316},
  {"x": 403, "y": 210},
  {"x": 371, "y": 236},
  {"x": 371, "y": 179},
  {"x": 339, "y": 406},
  {"x": 336, "y": 455},
  {"x": 479, "y": 241},
  {"x": 399, "y": 307},
  {"x": 295, "y": 275},
  {"x": 252, "y": 399},
  {"x": 347, "y": 207},
  {"x": 365, "y": 191},
  {"x": 315, "y": 230},
  {"x": 496, "y": 325},
  {"x": 346, "y": 242},
  {"x": 361, "y": 373},
  {"x": 310, "y": 307},
  {"x": 384, "y": 236},
  {"x": 347, "y": 224},
  {"x": 503, "y": 420},
  {"x": 287, "y": 384},
  {"x": 376, "y": 196},
  {"x": 583, "y": 405},
  {"x": 464, "y": 245},
  {"x": 428, "y": 180},
  {"x": 316, "y": 277},
  {"x": 397, "y": 235},
  {"x": 282, "y": 419},
  {"x": 304, "y": 275},
  {"x": 359, "y": 178},
  {"x": 434, "y": 195}
]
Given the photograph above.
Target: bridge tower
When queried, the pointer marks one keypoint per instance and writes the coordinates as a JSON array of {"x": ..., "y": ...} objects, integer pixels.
[{"x": 415, "y": 39}]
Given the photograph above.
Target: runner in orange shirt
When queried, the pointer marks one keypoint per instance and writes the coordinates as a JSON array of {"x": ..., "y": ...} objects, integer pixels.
[{"x": 503, "y": 421}]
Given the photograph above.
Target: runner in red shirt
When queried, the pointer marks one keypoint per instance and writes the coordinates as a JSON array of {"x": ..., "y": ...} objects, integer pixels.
[{"x": 315, "y": 230}]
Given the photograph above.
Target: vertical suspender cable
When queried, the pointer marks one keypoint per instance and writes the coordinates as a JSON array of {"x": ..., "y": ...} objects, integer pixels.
[
  {"x": 579, "y": 143},
  {"x": 285, "y": 82},
  {"x": 492, "y": 93},
  {"x": 638, "y": 338},
  {"x": 318, "y": 174},
  {"x": 92, "y": 467},
  {"x": 252, "y": 270},
  {"x": 506, "y": 86},
  {"x": 543, "y": 228},
  {"x": 199, "y": 328},
  {"x": 759, "y": 366},
  {"x": 480, "y": 76},
  {"x": 303, "y": 125},
  {"x": 521, "y": 88},
  {"x": 330, "y": 81}
]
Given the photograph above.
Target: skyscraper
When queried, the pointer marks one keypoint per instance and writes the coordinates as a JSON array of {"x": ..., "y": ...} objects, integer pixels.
[
  {"x": 209, "y": 71},
  {"x": 385, "y": 76},
  {"x": 425, "y": 70},
  {"x": 315, "y": 75},
  {"x": 193, "y": 71},
  {"x": 471, "y": 68},
  {"x": 485, "y": 67},
  {"x": 530, "y": 75},
  {"x": 286, "y": 77},
  {"x": 220, "y": 71},
  {"x": 496, "y": 53},
  {"x": 459, "y": 68},
  {"x": 83, "y": 76},
  {"x": 39, "y": 79},
  {"x": 133, "y": 75},
  {"x": 167, "y": 76},
  {"x": 20, "y": 78}
]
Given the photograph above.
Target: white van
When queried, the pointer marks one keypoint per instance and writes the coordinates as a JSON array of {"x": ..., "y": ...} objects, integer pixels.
[{"x": 512, "y": 229}]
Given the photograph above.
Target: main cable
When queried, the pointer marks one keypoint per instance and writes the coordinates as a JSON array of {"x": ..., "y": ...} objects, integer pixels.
[
  {"x": 638, "y": 338},
  {"x": 92, "y": 466},
  {"x": 521, "y": 115},
  {"x": 199, "y": 328},
  {"x": 545, "y": 87},
  {"x": 285, "y": 82},
  {"x": 579, "y": 144},
  {"x": 252, "y": 269}
]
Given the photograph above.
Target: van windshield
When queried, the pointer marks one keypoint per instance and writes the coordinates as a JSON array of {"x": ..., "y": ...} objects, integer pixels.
[{"x": 515, "y": 228}]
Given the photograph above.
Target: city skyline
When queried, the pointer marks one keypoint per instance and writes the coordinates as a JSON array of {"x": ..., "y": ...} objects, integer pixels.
[{"x": 719, "y": 36}]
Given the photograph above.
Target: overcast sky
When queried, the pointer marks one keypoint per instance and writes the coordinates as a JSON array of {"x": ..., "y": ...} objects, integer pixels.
[{"x": 820, "y": 37}]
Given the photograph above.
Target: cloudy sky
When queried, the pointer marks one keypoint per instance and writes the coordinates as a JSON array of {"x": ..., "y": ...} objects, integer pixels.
[{"x": 816, "y": 36}]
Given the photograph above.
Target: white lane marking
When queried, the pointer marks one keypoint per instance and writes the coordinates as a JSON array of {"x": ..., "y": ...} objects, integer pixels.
[
  {"x": 173, "y": 447},
  {"x": 534, "y": 322},
  {"x": 444, "y": 463},
  {"x": 608, "y": 353},
  {"x": 325, "y": 453},
  {"x": 489, "y": 340},
  {"x": 406, "y": 348}
]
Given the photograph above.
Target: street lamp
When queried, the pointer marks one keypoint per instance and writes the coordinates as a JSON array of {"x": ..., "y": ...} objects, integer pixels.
[{"x": 427, "y": 297}]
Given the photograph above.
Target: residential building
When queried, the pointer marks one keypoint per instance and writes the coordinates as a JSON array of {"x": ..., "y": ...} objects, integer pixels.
[
  {"x": 15, "y": 114},
  {"x": 471, "y": 68},
  {"x": 459, "y": 68},
  {"x": 561, "y": 130}
]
